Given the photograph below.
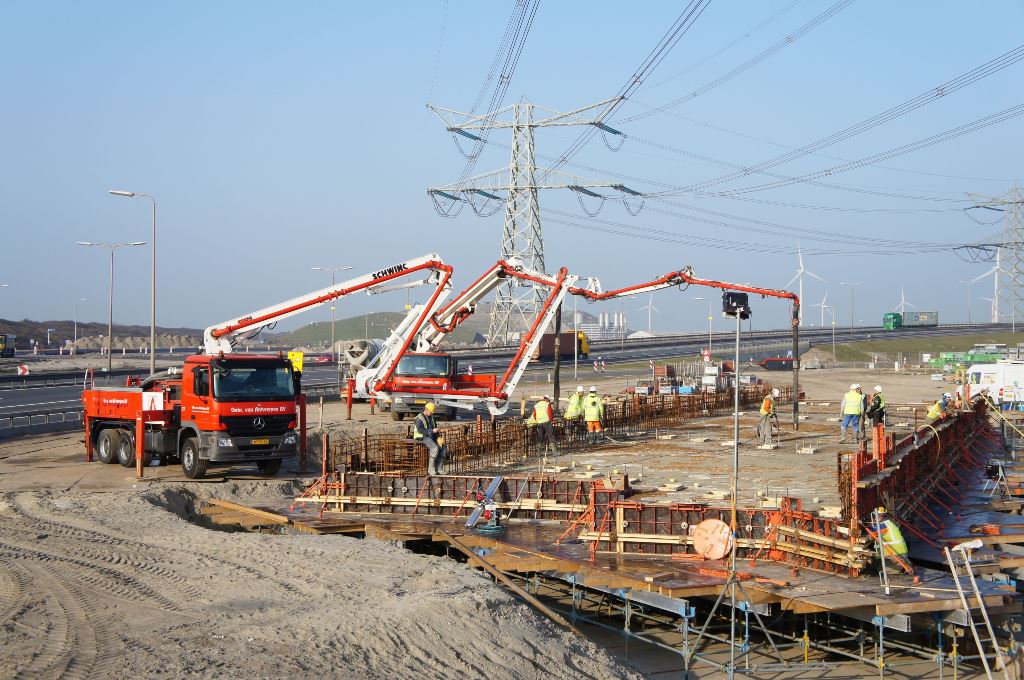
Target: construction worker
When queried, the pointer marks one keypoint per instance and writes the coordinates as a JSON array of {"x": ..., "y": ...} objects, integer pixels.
[
  {"x": 593, "y": 412},
  {"x": 892, "y": 541},
  {"x": 940, "y": 407},
  {"x": 542, "y": 416},
  {"x": 768, "y": 418},
  {"x": 851, "y": 408},
  {"x": 426, "y": 432},
  {"x": 574, "y": 413},
  {"x": 876, "y": 408}
]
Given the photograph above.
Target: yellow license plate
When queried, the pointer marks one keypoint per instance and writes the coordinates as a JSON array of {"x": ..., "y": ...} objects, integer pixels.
[
  {"x": 421, "y": 401},
  {"x": 257, "y": 442}
]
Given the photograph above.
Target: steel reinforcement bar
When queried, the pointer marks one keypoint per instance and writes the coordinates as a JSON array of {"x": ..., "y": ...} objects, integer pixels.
[{"x": 499, "y": 443}]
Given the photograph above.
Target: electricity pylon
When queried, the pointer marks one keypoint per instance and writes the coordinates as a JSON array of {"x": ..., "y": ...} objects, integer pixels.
[
  {"x": 1008, "y": 251},
  {"x": 516, "y": 304}
]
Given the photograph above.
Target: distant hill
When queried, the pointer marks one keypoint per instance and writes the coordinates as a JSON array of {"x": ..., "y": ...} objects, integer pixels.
[
  {"x": 380, "y": 324},
  {"x": 63, "y": 332}
]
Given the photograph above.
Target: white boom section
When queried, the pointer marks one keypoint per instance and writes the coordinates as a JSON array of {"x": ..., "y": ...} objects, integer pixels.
[
  {"x": 389, "y": 353},
  {"x": 465, "y": 303},
  {"x": 222, "y": 337}
]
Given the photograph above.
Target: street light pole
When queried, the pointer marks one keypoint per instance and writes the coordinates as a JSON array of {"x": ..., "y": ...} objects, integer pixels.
[
  {"x": 110, "y": 293},
  {"x": 74, "y": 345},
  {"x": 852, "y": 285},
  {"x": 334, "y": 353},
  {"x": 152, "y": 282}
]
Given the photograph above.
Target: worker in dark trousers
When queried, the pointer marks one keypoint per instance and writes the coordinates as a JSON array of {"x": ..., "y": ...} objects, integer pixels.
[
  {"x": 543, "y": 413},
  {"x": 426, "y": 433},
  {"x": 876, "y": 407}
]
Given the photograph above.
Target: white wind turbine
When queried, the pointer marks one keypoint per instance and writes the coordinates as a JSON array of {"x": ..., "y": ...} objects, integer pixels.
[
  {"x": 650, "y": 308},
  {"x": 800, "y": 277},
  {"x": 994, "y": 273},
  {"x": 902, "y": 306},
  {"x": 823, "y": 306}
]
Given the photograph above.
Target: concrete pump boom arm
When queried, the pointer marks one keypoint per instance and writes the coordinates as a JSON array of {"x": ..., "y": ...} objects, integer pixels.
[{"x": 222, "y": 337}]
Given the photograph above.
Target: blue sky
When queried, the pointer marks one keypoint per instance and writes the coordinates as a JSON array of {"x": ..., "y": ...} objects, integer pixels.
[{"x": 281, "y": 136}]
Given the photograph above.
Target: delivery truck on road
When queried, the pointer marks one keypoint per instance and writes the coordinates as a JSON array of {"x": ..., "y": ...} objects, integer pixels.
[{"x": 896, "y": 320}]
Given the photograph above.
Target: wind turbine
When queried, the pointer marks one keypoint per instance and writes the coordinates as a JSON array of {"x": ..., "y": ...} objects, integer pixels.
[
  {"x": 995, "y": 308},
  {"x": 800, "y": 277},
  {"x": 650, "y": 308},
  {"x": 994, "y": 273},
  {"x": 902, "y": 306},
  {"x": 823, "y": 307}
]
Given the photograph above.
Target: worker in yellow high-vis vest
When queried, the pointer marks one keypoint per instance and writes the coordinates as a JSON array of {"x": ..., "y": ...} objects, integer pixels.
[
  {"x": 573, "y": 415},
  {"x": 893, "y": 542},
  {"x": 851, "y": 409},
  {"x": 542, "y": 415},
  {"x": 593, "y": 412}
]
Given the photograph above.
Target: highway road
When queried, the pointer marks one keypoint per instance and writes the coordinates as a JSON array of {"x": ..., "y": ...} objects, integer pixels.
[{"x": 492, "y": 361}]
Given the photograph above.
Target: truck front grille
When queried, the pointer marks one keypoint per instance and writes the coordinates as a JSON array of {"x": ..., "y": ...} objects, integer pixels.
[{"x": 246, "y": 426}]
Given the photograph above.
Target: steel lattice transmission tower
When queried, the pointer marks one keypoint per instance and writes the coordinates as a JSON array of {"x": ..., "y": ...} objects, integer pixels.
[
  {"x": 517, "y": 305},
  {"x": 1007, "y": 250}
]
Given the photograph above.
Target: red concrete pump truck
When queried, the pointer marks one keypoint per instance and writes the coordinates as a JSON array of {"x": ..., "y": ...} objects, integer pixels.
[{"x": 224, "y": 408}]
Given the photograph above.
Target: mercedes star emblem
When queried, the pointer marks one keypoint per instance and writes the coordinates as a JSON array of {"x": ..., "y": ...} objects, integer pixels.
[{"x": 259, "y": 423}]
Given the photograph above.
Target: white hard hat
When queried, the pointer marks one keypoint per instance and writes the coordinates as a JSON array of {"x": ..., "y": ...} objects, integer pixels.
[
  {"x": 947, "y": 395},
  {"x": 579, "y": 388},
  {"x": 593, "y": 388},
  {"x": 878, "y": 388},
  {"x": 775, "y": 392},
  {"x": 854, "y": 386}
]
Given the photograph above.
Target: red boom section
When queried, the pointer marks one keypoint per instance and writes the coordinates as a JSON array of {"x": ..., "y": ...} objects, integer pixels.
[{"x": 683, "y": 277}]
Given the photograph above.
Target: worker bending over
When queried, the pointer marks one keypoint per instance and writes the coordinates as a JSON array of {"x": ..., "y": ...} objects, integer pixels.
[
  {"x": 593, "y": 412},
  {"x": 768, "y": 418},
  {"x": 542, "y": 415},
  {"x": 892, "y": 541},
  {"x": 852, "y": 408},
  {"x": 426, "y": 433},
  {"x": 940, "y": 408}
]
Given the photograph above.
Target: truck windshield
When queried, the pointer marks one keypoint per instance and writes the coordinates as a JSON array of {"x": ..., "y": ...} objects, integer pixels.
[
  {"x": 426, "y": 365},
  {"x": 250, "y": 382}
]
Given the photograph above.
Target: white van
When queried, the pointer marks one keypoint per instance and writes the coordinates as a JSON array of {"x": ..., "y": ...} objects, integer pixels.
[{"x": 1003, "y": 379}]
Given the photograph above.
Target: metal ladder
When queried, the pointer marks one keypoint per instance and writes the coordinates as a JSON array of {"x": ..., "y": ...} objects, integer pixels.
[{"x": 964, "y": 549}]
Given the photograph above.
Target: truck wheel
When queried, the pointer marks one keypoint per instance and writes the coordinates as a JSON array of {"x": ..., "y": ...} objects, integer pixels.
[
  {"x": 106, "y": 446},
  {"x": 396, "y": 415},
  {"x": 192, "y": 465},
  {"x": 269, "y": 467},
  {"x": 126, "y": 451}
]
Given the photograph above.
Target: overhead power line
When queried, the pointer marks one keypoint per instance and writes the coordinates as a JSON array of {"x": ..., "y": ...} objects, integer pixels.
[
  {"x": 672, "y": 36},
  {"x": 953, "y": 133},
  {"x": 746, "y": 35},
  {"x": 750, "y": 63},
  {"x": 927, "y": 97}
]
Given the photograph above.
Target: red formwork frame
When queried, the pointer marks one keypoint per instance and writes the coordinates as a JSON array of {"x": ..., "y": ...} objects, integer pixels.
[{"x": 911, "y": 476}]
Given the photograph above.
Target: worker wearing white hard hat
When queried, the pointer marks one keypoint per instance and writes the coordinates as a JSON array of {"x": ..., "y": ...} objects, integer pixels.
[
  {"x": 876, "y": 407},
  {"x": 593, "y": 413},
  {"x": 574, "y": 413},
  {"x": 851, "y": 410}
]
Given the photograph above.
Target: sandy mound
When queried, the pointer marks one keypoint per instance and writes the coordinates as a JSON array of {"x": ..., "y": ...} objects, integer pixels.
[{"x": 121, "y": 585}]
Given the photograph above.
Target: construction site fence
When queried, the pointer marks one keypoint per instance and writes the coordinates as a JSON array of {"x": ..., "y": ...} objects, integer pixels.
[{"x": 503, "y": 442}]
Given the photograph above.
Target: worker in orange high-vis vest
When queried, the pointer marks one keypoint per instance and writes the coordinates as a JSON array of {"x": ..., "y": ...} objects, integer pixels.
[
  {"x": 768, "y": 418},
  {"x": 543, "y": 414}
]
